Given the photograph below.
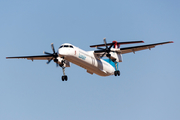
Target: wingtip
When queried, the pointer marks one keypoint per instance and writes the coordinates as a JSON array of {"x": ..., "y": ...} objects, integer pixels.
[{"x": 171, "y": 41}]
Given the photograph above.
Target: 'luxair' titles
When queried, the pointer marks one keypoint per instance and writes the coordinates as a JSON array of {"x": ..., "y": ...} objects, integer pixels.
[{"x": 82, "y": 56}]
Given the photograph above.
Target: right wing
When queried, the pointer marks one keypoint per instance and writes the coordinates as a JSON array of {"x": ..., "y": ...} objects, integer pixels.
[
  {"x": 142, "y": 47},
  {"x": 38, "y": 57}
]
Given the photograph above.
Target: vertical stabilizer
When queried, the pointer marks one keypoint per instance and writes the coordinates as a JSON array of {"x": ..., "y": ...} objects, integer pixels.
[{"x": 116, "y": 45}]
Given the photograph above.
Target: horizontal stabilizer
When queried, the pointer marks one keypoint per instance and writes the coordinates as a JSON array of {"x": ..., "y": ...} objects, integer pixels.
[{"x": 119, "y": 43}]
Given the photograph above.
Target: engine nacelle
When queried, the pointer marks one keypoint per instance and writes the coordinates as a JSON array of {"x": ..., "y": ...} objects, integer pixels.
[
  {"x": 116, "y": 56},
  {"x": 61, "y": 61}
]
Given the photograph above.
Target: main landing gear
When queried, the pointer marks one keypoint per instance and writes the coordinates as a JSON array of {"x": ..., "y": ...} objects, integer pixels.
[{"x": 117, "y": 72}]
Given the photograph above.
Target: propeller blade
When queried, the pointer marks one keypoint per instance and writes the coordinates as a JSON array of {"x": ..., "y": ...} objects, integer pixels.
[
  {"x": 111, "y": 46},
  {"x": 102, "y": 55},
  {"x": 107, "y": 50},
  {"x": 49, "y": 61},
  {"x": 52, "y": 46},
  {"x": 105, "y": 43},
  {"x": 54, "y": 55},
  {"x": 47, "y": 53}
]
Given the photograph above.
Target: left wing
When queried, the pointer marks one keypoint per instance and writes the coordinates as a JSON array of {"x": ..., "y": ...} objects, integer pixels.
[
  {"x": 39, "y": 57},
  {"x": 142, "y": 47}
]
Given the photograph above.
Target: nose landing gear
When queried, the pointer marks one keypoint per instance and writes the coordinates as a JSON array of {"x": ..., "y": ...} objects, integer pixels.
[{"x": 64, "y": 77}]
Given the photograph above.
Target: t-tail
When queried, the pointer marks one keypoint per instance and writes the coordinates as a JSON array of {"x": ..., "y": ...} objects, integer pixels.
[{"x": 116, "y": 45}]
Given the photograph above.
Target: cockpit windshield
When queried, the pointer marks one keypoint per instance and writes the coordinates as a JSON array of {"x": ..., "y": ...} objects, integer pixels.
[{"x": 66, "y": 46}]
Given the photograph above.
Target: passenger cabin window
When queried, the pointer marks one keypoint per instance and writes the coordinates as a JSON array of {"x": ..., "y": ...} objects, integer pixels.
[{"x": 66, "y": 46}]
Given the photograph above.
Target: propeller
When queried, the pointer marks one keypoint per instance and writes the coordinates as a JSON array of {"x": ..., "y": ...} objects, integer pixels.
[
  {"x": 106, "y": 50},
  {"x": 54, "y": 55}
]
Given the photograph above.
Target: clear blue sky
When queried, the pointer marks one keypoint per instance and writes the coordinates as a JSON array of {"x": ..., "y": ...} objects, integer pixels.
[{"x": 149, "y": 85}]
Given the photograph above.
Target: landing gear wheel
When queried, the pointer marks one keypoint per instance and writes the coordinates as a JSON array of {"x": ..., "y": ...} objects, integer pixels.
[
  {"x": 64, "y": 78},
  {"x": 117, "y": 73}
]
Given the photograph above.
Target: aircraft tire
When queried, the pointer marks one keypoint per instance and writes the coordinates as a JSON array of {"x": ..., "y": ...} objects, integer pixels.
[
  {"x": 115, "y": 73},
  {"x": 64, "y": 78},
  {"x": 118, "y": 73}
]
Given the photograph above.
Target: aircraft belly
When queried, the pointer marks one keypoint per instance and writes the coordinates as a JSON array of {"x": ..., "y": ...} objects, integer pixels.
[{"x": 93, "y": 67}]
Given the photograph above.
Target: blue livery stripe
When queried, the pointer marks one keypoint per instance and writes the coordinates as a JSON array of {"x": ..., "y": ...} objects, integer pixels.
[{"x": 111, "y": 63}]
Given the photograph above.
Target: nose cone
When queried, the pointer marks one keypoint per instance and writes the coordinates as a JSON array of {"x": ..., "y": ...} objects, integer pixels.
[
  {"x": 66, "y": 52},
  {"x": 62, "y": 52}
]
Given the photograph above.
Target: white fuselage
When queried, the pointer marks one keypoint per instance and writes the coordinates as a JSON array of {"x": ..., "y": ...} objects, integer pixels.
[{"x": 86, "y": 60}]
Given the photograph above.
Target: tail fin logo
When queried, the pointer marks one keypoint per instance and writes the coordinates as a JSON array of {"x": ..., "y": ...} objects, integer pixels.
[{"x": 116, "y": 45}]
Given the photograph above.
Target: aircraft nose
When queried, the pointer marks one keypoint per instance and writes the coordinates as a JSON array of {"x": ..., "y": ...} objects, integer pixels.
[
  {"x": 62, "y": 52},
  {"x": 65, "y": 52}
]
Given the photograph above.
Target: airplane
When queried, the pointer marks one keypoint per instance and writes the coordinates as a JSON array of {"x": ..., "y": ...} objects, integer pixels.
[{"x": 92, "y": 61}]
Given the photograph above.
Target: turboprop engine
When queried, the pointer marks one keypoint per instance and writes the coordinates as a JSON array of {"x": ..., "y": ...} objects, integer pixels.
[{"x": 115, "y": 56}]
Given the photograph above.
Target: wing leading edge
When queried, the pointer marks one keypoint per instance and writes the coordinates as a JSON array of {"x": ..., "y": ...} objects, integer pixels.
[{"x": 142, "y": 47}]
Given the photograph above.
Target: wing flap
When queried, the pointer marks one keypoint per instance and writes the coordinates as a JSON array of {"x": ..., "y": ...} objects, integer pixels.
[{"x": 142, "y": 47}]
